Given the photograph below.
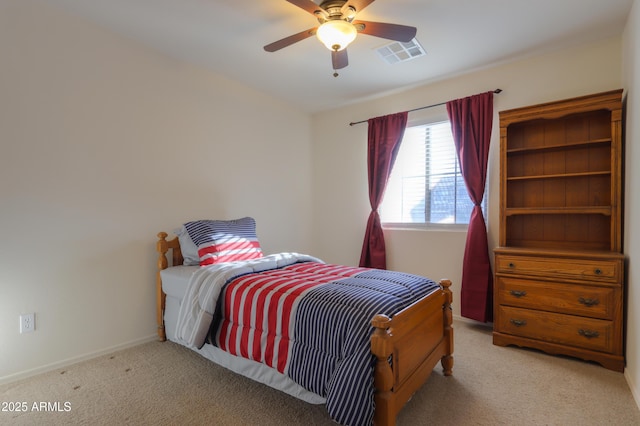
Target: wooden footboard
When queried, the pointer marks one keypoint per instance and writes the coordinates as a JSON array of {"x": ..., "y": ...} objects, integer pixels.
[{"x": 415, "y": 340}]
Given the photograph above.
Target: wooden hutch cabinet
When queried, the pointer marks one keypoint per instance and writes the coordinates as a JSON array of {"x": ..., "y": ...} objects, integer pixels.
[{"x": 559, "y": 270}]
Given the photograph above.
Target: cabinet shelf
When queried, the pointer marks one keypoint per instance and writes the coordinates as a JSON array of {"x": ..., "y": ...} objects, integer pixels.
[
  {"x": 601, "y": 210},
  {"x": 562, "y": 146},
  {"x": 559, "y": 175}
]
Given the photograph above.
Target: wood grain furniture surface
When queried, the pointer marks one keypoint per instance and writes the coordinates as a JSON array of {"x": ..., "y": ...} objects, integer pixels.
[
  {"x": 415, "y": 340},
  {"x": 559, "y": 269}
]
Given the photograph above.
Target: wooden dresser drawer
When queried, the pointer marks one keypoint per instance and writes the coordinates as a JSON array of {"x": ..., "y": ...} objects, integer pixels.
[
  {"x": 587, "y": 333},
  {"x": 576, "y": 269},
  {"x": 585, "y": 300}
]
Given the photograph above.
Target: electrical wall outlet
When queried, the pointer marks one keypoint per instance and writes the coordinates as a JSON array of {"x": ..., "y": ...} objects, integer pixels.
[{"x": 27, "y": 323}]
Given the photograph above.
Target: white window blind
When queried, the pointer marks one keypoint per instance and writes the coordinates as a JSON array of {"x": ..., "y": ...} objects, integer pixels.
[{"x": 426, "y": 186}]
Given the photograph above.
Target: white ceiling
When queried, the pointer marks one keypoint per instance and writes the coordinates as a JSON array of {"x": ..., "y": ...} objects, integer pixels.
[{"x": 227, "y": 36}]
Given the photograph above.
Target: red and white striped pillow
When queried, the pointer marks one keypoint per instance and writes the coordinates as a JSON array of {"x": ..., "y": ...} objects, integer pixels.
[{"x": 225, "y": 240}]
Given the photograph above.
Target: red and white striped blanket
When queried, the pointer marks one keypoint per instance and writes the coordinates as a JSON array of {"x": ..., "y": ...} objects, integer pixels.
[{"x": 201, "y": 298}]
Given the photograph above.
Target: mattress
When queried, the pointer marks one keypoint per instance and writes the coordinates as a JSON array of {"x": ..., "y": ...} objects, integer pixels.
[{"x": 175, "y": 281}]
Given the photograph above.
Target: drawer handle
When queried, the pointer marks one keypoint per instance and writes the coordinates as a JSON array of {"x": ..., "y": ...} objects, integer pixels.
[
  {"x": 518, "y": 293},
  {"x": 519, "y": 323},
  {"x": 588, "y": 301},
  {"x": 512, "y": 265},
  {"x": 589, "y": 334},
  {"x": 598, "y": 271}
]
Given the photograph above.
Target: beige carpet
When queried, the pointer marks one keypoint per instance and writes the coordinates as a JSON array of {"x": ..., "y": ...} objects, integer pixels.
[{"x": 166, "y": 384}]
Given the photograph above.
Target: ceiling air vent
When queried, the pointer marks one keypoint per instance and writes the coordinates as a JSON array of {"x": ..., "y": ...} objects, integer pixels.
[{"x": 396, "y": 51}]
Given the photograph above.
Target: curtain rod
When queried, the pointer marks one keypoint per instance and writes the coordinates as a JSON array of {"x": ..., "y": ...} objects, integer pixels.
[{"x": 416, "y": 109}]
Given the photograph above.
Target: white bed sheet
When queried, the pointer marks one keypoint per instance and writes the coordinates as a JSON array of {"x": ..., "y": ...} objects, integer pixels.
[{"x": 175, "y": 280}]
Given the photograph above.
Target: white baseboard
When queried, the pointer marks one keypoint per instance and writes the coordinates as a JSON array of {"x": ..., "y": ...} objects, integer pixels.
[
  {"x": 64, "y": 363},
  {"x": 460, "y": 318},
  {"x": 632, "y": 386}
]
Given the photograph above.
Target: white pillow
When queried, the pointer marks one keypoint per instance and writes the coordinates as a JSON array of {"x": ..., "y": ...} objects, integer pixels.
[{"x": 187, "y": 247}]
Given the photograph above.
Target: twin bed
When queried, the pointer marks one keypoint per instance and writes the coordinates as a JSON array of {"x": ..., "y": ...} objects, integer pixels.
[{"x": 361, "y": 341}]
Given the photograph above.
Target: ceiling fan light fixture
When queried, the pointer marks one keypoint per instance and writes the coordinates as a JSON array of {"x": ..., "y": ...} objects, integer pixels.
[{"x": 336, "y": 34}]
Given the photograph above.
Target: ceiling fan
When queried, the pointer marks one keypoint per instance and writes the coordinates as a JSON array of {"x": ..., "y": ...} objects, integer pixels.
[{"x": 338, "y": 28}]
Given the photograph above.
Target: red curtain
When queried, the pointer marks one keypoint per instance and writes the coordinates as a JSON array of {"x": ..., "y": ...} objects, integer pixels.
[
  {"x": 385, "y": 134},
  {"x": 471, "y": 120}
]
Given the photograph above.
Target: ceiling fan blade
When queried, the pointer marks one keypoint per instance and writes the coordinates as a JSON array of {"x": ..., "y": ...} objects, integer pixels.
[
  {"x": 339, "y": 58},
  {"x": 358, "y": 5},
  {"x": 395, "y": 32},
  {"x": 307, "y": 5},
  {"x": 288, "y": 41}
]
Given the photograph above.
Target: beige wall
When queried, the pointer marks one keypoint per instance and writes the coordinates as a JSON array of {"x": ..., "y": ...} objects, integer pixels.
[
  {"x": 632, "y": 197},
  {"x": 89, "y": 121},
  {"x": 339, "y": 152},
  {"x": 103, "y": 144}
]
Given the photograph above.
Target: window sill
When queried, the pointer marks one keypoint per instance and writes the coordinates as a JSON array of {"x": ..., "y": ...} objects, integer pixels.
[{"x": 438, "y": 227}]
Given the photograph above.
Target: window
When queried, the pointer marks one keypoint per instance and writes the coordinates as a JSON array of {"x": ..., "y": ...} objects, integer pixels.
[{"x": 426, "y": 185}]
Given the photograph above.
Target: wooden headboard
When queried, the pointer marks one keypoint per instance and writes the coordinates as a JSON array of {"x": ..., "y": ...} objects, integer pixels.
[{"x": 162, "y": 247}]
